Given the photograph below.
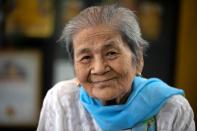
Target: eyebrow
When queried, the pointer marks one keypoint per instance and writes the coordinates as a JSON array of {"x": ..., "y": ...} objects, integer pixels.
[
  {"x": 83, "y": 51},
  {"x": 109, "y": 44}
]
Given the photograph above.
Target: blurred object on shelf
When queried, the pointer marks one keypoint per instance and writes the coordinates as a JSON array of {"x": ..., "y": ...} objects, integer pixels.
[
  {"x": 71, "y": 8},
  {"x": 31, "y": 18},
  {"x": 150, "y": 20}
]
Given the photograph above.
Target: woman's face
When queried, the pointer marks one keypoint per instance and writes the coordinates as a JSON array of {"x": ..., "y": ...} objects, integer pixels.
[{"x": 103, "y": 63}]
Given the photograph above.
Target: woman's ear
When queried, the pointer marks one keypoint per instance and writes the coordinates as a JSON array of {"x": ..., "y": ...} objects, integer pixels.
[
  {"x": 140, "y": 65},
  {"x": 77, "y": 82}
]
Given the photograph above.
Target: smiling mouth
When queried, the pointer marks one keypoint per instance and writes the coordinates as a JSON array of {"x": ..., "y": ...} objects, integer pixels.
[{"x": 102, "y": 81}]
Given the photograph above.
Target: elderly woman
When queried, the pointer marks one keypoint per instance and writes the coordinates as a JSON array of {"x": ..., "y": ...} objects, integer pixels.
[{"x": 108, "y": 93}]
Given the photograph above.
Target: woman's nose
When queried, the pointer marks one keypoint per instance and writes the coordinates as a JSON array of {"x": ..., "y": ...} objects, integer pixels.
[{"x": 99, "y": 66}]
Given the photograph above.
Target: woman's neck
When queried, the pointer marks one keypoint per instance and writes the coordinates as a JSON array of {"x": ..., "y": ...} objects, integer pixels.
[{"x": 120, "y": 100}]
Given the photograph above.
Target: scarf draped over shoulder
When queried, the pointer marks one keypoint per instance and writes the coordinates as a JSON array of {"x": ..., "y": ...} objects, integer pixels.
[{"x": 145, "y": 101}]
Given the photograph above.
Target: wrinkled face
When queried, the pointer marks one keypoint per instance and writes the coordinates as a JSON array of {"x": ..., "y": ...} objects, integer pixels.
[{"x": 103, "y": 63}]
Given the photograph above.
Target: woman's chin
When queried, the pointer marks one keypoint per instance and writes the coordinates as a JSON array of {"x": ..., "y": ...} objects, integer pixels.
[{"x": 105, "y": 93}]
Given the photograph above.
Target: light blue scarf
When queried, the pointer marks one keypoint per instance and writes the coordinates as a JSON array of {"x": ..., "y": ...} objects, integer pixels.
[{"x": 145, "y": 101}]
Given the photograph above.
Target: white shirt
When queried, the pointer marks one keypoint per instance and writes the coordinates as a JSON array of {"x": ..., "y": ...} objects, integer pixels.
[{"x": 62, "y": 111}]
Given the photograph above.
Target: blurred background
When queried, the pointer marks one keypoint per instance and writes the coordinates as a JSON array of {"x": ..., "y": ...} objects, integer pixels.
[{"x": 32, "y": 61}]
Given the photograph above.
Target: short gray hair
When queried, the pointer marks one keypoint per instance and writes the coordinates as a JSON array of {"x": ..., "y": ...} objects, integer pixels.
[{"x": 119, "y": 18}]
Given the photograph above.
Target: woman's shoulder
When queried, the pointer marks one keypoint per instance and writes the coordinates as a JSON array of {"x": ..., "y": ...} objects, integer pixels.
[
  {"x": 65, "y": 87},
  {"x": 177, "y": 103},
  {"x": 176, "y": 114},
  {"x": 64, "y": 91}
]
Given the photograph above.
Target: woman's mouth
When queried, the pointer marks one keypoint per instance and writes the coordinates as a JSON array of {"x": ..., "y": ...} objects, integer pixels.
[
  {"x": 103, "y": 83},
  {"x": 102, "y": 80}
]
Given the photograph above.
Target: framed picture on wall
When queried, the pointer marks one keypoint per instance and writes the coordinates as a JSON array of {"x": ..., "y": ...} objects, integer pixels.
[{"x": 20, "y": 87}]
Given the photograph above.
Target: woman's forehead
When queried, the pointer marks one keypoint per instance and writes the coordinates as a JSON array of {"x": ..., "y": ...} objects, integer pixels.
[
  {"x": 100, "y": 31},
  {"x": 97, "y": 39}
]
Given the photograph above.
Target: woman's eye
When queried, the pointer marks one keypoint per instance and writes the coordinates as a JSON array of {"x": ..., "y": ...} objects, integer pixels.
[
  {"x": 85, "y": 59},
  {"x": 111, "y": 54}
]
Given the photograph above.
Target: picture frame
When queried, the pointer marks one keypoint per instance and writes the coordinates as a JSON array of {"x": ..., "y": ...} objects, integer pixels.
[{"x": 20, "y": 87}]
